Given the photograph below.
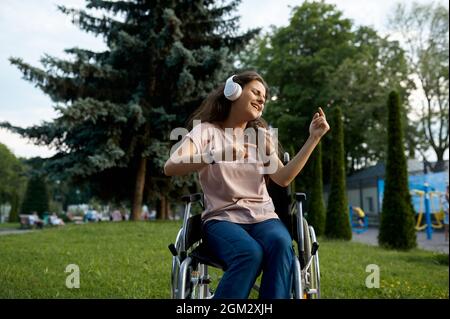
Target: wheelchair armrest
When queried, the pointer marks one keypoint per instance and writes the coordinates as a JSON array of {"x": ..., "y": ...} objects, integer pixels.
[
  {"x": 191, "y": 198},
  {"x": 300, "y": 197}
]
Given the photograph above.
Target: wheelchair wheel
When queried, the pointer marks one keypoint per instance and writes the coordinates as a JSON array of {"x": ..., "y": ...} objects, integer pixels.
[
  {"x": 174, "y": 277},
  {"x": 186, "y": 280},
  {"x": 306, "y": 240},
  {"x": 315, "y": 271},
  {"x": 311, "y": 275},
  {"x": 306, "y": 274},
  {"x": 297, "y": 287},
  {"x": 193, "y": 281}
]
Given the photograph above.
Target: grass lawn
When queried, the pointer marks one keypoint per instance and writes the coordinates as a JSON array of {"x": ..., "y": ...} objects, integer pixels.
[
  {"x": 131, "y": 260},
  {"x": 9, "y": 225}
]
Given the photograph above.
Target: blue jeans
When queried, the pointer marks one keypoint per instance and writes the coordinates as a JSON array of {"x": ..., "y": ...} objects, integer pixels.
[{"x": 248, "y": 249}]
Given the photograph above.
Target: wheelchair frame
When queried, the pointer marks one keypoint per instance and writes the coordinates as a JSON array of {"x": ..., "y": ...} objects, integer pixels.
[{"x": 190, "y": 259}]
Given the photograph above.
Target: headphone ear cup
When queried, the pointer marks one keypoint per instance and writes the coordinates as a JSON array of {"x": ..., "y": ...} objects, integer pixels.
[{"x": 232, "y": 89}]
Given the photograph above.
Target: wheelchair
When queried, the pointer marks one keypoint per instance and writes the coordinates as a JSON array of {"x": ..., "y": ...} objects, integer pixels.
[{"x": 190, "y": 257}]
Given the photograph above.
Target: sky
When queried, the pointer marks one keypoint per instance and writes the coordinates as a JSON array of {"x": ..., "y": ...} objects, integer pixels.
[{"x": 31, "y": 28}]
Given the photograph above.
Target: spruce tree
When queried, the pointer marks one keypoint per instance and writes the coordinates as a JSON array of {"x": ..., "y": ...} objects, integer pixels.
[
  {"x": 337, "y": 221},
  {"x": 36, "y": 197},
  {"x": 397, "y": 215},
  {"x": 316, "y": 208},
  {"x": 118, "y": 107}
]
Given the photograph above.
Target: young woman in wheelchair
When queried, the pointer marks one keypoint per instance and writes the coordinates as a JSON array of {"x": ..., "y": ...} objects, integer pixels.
[{"x": 239, "y": 224}]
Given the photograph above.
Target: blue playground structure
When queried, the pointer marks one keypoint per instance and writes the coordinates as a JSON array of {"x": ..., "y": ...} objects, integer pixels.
[
  {"x": 426, "y": 196},
  {"x": 358, "y": 220}
]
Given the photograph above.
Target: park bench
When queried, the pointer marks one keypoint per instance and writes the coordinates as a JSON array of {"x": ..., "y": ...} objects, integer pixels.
[{"x": 25, "y": 222}]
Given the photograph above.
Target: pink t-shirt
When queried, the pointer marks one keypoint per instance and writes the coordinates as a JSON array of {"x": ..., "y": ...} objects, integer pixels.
[{"x": 233, "y": 191}]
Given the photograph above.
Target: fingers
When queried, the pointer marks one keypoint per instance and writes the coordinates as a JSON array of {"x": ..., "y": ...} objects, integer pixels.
[
  {"x": 241, "y": 153},
  {"x": 322, "y": 113},
  {"x": 318, "y": 120},
  {"x": 246, "y": 144}
]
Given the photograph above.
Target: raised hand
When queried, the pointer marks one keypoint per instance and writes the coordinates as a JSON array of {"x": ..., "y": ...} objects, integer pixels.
[{"x": 319, "y": 125}]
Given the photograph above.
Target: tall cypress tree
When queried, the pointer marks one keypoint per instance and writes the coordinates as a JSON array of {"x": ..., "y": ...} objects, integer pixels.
[
  {"x": 397, "y": 215},
  {"x": 316, "y": 208},
  {"x": 117, "y": 107},
  {"x": 337, "y": 221}
]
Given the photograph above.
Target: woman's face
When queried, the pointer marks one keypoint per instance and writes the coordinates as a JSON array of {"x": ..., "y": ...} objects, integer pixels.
[{"x": 250, "y": 104}]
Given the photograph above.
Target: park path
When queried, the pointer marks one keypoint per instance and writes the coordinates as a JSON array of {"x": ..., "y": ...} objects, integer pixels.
[
  {"x": 437, "y": 243},
  {"x": 12, "y": 231}
]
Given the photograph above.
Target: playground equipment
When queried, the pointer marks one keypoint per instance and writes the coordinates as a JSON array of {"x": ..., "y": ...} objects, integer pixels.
[
  {"x": 438, "y": 214},
  {"x": 358, "y": 220},
  {"x": 426, "y": 191},
  {"x": 426, "y": 205}
]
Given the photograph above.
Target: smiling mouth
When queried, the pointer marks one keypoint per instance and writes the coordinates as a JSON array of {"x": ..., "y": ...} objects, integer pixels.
[{"x": 256, "y": 107}]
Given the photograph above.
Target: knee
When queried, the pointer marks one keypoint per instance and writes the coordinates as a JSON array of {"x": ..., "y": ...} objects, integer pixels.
[
  {"x": 252, "y": 254},
  {"x": 281, "y": 242}
]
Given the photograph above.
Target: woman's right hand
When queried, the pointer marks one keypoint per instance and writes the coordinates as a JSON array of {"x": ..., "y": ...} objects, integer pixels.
[{"x": 232, "y": 152}]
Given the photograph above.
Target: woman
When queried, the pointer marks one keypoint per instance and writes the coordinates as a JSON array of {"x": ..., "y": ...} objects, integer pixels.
[{"x": 240, "y": 225}]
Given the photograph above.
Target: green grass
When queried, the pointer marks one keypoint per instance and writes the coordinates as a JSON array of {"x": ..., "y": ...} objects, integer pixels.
[
  {"x": 131, "y": 260},
  {"x": 9, "y": 225}
]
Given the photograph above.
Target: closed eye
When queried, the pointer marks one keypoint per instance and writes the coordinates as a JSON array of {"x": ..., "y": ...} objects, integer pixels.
[{"x": 257, "y": 92}]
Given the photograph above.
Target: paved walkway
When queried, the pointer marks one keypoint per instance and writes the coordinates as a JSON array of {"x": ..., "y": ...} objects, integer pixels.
[
  {"x": 9, "y": 231},
  {"x": 437, "y": 243}
]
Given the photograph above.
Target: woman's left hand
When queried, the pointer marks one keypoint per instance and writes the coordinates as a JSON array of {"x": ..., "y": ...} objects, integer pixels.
[{"x": 319, "y": 125}]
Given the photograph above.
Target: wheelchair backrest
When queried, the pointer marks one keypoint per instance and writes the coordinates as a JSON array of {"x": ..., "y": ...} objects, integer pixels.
[
  {"x": 194, "y": 230},
  {"x": 282, "y": 199}
]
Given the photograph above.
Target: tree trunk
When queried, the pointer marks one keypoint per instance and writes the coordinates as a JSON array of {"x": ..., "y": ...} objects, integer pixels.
[
  {"x": 139, "y": 189},
  {"x": 15, "y": 206},
  {"x": 163, "y": 208},
  {"x": 169, "y": 211}
]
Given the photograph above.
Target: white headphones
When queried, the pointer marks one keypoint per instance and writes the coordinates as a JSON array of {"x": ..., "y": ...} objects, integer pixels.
[{"x": 232, "y": 89}]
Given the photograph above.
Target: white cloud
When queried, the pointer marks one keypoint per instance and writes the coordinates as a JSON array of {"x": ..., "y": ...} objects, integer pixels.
[{"x": 22, "y": 148}]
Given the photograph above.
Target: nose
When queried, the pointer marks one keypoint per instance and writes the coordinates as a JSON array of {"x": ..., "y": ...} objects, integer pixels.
[{"x": 260, "y": 100}]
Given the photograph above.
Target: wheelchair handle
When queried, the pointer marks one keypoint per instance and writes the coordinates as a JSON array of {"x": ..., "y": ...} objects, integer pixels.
[
  {"x": 286, "y": 158},
  {"x": 300, "y": 197},
  {"x": 191, "y": 198}
]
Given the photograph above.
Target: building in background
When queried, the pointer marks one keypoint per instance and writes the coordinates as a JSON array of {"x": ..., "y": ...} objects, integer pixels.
[{"x": 365, "y": 188}]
